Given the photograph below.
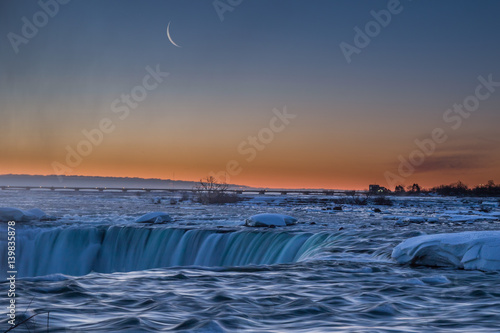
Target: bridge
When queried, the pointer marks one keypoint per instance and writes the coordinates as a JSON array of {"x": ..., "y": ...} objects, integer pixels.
[{"x": 173, "y": 190}]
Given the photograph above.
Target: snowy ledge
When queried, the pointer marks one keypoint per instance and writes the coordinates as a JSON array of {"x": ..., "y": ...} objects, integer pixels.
[
  {"x": 18, "y": 215},
  {"x": 473, "y": 250}
]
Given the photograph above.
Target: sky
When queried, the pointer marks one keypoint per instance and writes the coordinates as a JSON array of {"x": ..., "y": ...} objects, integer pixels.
[{"x": 278, "y": 93}]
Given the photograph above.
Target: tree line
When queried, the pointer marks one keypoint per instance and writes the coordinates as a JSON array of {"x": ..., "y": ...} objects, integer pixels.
[{"x": 489, "y": 189}]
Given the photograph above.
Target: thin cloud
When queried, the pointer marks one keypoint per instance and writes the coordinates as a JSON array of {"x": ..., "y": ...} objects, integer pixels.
[{"x": 455, "y": 162}]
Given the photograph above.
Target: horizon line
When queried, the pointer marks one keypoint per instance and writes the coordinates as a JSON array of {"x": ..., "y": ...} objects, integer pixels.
[{"x": 196, "y": 181}]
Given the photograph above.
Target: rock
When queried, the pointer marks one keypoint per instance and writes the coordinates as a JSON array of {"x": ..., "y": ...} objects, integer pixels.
[{"x": 377, "y": 210}]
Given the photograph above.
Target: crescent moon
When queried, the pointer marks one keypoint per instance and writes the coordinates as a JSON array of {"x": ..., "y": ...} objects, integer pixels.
[{"x": 168, "y": 35}]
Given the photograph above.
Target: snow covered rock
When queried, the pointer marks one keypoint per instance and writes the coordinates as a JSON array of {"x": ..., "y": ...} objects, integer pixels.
[
  {"x": 468, "y": 250},
  {"x": 11, "y": 214},
  {"x": 155, "y": 217},
  {"x": 267, "y": 220},
  {"x": 18, "y": 215},
  {"x": 39, "y": 214}
]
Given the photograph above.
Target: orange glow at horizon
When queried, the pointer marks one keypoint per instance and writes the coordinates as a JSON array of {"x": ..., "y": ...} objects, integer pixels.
[{"x": 273, "y": 180}]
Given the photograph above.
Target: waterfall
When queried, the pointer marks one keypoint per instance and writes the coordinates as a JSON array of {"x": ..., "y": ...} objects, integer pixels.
[{"x": 81, "y": 250}]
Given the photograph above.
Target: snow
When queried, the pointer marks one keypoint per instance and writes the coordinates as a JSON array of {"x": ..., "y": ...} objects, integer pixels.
[
  {"x": 472, "y": 250},
  {"x": 154, "y": 217},
  {"x": 39, "y": 214},
  {"x": 11, "y": 214},
  {"x": 414, "y": 219},
  {"x": 471, "y": 218},
  {"x": 18, "y": 215},
  {"x": 36, "y": 212},
  {"x": 266, "y": 220},
  {"x": 455, "y": 216},
  {"x": 404, "y": 221}
]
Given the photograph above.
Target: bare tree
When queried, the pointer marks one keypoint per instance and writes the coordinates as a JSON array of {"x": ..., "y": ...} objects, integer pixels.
[
  {"x": 211, "y": 191},
  {"x": 211, "y": 185}
]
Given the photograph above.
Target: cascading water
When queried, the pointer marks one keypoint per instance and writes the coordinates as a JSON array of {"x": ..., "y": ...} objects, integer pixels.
[{"x": 78, "y": 251}]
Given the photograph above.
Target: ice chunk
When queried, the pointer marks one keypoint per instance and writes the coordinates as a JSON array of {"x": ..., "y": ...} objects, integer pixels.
[
  {"x": 471, "y": 218},
  {"x": 414, "y": 219},
  {"x": 154, "y": 217},
  {"x": 39, "y": 214},
  {"x": 406, "y": 220},
  {"x": 267, "y": 220},
  {"x": 468, "y": 250},
  {"x": 36, "y": 212},
  {"x": 18, "y": 215},
  {"x": 11, "y": 214}
]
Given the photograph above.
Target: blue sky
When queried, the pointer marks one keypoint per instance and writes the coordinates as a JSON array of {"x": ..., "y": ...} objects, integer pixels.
[{"x": 354, "y": 119}]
